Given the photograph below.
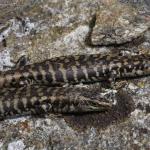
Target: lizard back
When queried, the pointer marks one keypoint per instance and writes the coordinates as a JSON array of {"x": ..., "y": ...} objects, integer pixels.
[
  {"x": 43, "y": 99},
  {"x": 78, "y": 68}
]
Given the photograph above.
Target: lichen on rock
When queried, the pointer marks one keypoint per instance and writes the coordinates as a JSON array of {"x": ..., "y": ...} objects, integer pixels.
[{"x": 42, "y": 29}]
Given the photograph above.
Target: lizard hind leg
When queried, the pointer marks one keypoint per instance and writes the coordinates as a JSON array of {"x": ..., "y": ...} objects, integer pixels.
[
  {"x": 40, "y": 110},
  {"x": 22, "y": 61}
]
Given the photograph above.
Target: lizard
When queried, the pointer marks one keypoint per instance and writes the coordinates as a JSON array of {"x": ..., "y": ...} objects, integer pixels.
[
  {"x": 74, "y": 69},
  {"x": 39, "y": 100}
]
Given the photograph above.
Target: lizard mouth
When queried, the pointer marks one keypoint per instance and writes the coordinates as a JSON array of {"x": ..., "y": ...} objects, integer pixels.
[
  {"x": 95, "y": 106},
  {"x": 98, "y": 105},
  {"x": 85, "y": 106}
]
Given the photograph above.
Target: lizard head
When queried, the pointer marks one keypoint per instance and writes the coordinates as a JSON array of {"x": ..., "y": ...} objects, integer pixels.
[
  {"x": 87, "y": 105},
  {"x": 84, "y": 100}
]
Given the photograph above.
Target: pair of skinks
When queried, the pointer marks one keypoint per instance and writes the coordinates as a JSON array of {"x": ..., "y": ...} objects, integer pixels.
[{"x": 17, "y": 97}]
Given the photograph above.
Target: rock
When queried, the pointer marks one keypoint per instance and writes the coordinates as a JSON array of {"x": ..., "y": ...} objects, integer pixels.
[
  {"x": 49, "y": 28},
  {"x": 116, "y": 25}
]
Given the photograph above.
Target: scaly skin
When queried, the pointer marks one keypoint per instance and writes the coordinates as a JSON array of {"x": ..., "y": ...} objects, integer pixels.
[
  {"x": 77, "y": 69},
  {"x": 43, "y": 99}
]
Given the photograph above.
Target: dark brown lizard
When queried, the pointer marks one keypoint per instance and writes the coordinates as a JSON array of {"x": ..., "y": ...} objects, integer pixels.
[
  {"x": 77, "y": 69},
  {"x": 43, "y": 99}
]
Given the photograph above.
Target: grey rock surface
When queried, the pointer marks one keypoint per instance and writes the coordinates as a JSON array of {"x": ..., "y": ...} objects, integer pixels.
[{"x": 48, "y": 28}]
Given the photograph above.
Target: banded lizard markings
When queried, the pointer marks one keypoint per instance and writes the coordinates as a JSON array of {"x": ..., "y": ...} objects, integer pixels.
[
  {"x": 77, "y": 69},
  {"x": 52, "y": 100}
]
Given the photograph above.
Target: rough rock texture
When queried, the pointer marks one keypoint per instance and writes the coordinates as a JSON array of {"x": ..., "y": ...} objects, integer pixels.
[
  {"x": 42, "y": 29},
  {"x": 117, "y": 24}
]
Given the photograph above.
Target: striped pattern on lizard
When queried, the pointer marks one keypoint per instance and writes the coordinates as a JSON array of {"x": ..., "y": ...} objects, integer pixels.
[
  {"x": 43, "y": 99},
  {"x": 77, "y": 69}
]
